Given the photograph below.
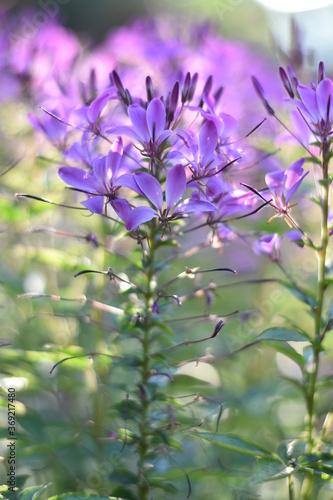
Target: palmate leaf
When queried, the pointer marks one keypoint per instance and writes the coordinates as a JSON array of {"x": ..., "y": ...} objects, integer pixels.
[
  {"x": 234, "y": 443},
  {"x": 269, "y": 469}
]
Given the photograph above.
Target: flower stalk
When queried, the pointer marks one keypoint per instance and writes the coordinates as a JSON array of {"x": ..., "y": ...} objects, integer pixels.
[{"x": 143, "y": 444}]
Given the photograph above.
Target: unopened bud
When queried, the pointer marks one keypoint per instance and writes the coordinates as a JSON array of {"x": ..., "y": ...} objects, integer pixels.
[
  {"x": 293, "y": 78},
  {"x": 260, "y": 91},
  {"x": 218, "y": 94},
  {"x": 186, "y": 88},
  {"x": 173, "y": 102},
  {"x": 193, "y": 86},
  {"x": 217, "y": 329},
  {"x": 149, "y": 89},
  {"x": 92, "y": 85},
  {"x": 321, "y": 72},
  {"x": 119, "y": 84},
  {"x": 207, "y": 88},
  {"x": 286, "y": 82}
]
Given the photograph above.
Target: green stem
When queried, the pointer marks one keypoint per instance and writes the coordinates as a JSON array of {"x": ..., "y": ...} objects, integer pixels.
[
  {"x": 291, "y": 488},
  {"x": 321, "y": 255},
  {"x": 143, "y": 445}
]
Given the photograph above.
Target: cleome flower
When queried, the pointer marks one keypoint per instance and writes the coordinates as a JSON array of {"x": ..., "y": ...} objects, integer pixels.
[
  {"x": 283, "y": 184},
  {"x": 175, "y": 185},
  {"x": 148, "y": 128},
  {"x": 269, "y": 244},
  {"x": 102, "y": 182},
  {"x": 315, "y": 102}
]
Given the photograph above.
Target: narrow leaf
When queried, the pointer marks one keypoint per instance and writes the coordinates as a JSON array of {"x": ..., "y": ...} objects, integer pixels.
[
  {"x": 234, "y": 443},
  {"x": 282, "y": 335}
]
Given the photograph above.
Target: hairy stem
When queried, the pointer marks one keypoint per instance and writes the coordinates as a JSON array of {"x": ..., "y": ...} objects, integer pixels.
[
  {"x": 143, "y": 445},
  {"x": 321, "y": 289}
]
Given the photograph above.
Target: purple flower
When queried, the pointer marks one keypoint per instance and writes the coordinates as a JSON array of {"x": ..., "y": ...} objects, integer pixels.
[
  {"x": 148, "y": 128},
  {"x": 316, "y": 104},
  {"x": 284, "y": 183},
  {"x": 102, "y": 182},
  {"x": 202, "y": 160},
  {"x": 175, "y": 186},
  {"x": 270, "y": 243},
  {"x": 55, "y": 130},
  {"x": 91, "y": 115}
]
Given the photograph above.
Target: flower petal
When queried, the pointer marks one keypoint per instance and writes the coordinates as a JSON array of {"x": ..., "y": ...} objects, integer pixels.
[
  {"x": 95, "y": 204},
  {"x": 114, "y": 157},
  {"x": 140, "y": 215},
  {"x": 151, "y": 188},
  {"x": 294, "y": 177},
  {"x": 128, "y": 180},
  {"x": 122, "y": 208},
  {"x": 97, "y": 106},
  {"x": 139, "y": 119},
  {"x": 124, "y": 130},
  {"x": 193, "y": 205},
  {"x": 309, "y": 99},
  {"x": 207, "y": 141},
  {"x": 324, "y": 93},
  {"x": 156, "y": 118},
  {"x": 175, "y": 185},
  {"x": 77, "y": 178}
]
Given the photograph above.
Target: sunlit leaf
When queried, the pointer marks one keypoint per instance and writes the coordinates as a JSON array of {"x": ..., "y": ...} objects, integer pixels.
[
  {"x": 269, "y": 469},
  {"x": 234, "y": 443},
  {"x": 282, "y": 335},
  {"x": 33, "y": 492}
]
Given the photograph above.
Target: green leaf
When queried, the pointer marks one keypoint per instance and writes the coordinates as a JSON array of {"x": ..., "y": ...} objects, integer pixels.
[
  {"x": 233, "y": 442},
  {"x": 78, "y": 496},
  {"x": 282, "y": 335},
  {"x": 291, "y": 450},
  {"x": 288, "y": 351},
  {"x": 300, "y": 295},
  {"x": 269, "y": 469},
  {"x": 33, "y": 492}
]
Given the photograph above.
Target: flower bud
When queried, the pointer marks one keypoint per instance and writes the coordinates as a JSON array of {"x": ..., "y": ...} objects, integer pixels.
[
  {"x": 173, "y": 102},
  {"x": 321, "y": 72},
  {"x": 193, "y": 86},
  {"x": 119, "y": 84},
  {"x": 206, "y": 90},
  {"x": 149, "y": 89},
  {"x": 218, "y": 94},
  {"x": 186, "y": 88},
  {"x": 260, "y": 91},
  {"x": 286, "y": 82}
]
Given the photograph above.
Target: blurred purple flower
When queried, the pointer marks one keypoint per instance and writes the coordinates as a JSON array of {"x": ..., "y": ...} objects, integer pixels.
[
  {"x": 270, "y": 243},
  {"x": 283, "y": 184}
]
